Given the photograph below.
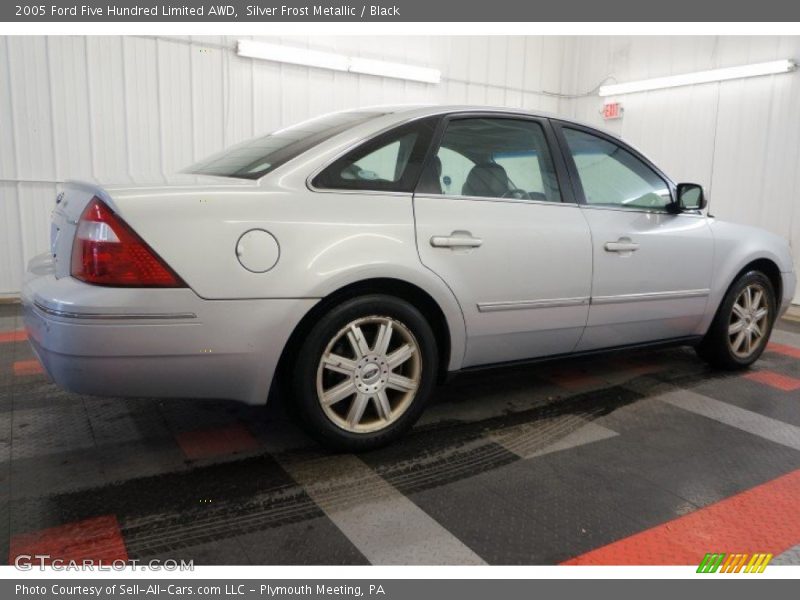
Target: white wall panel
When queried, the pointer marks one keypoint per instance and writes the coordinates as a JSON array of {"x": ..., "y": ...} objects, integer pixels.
[
  {"x": 69, "y": 99},
  {"x": 175, "y": 115},
  {"x": 106, "y": 109},
  {"x": 8, "y": 147},
  {"x": 32, "y": 123}
]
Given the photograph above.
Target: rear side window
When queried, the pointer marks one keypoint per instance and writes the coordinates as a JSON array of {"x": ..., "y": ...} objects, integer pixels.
[
  {"x": 390, "y": 162},
  {"x": 256, "y": 157},
  {"x": 612, "y": 176}
]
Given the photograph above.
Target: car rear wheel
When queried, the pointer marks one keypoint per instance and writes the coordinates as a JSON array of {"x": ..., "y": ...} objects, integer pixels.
[
  {"x": 364, "y": 373},
  {"x": 742, "y": 326}
]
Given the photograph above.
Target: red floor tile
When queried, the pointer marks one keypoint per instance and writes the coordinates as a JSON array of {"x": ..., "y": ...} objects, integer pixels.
[
  {"x": 775, "y": 380},
  {"x": 217, "y": 442},
  {"x": 28, "y": 367},
  {"x": 636, "y": 366},
  {"x": 574, "y": 380},
  {"x": 98, "y": 538},
  {"x": 14, "y": 335},
  {"x": 784, "y": 349},
  {"x": 761, "y": 519}
]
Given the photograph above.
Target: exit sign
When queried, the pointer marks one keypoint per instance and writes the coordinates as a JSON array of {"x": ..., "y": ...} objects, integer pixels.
[{"x": 612, "y": 110}]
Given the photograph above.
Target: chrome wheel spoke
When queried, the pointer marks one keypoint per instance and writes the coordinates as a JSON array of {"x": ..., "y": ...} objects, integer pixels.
[
  {"x": 748, "y": 343},
  {"x": 735, "y": 327},
  {"x": 739, "y": 310},
  {"x": 756, "y": 301},
  {"x": 357, "y": 341},
  {"x": 760, "y": 314},
  {"x": 357, "y": 409},
  {"x": 737, "y": 343},
  {"x": 339, "y": 364},
  {"x": 383, "y": 406},
  {"x": 757, "y": 331},
  {"x": 399, "y": 356},
  {"x": 339, "y": 392},
  {"x": 383, "y": 339},
  {"x": 400, "y": 383}
]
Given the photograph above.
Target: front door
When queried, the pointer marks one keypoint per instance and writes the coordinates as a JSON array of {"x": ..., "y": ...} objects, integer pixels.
[
  {"x": 493, "y": 222},
  {"x": 652, "y": 268}
]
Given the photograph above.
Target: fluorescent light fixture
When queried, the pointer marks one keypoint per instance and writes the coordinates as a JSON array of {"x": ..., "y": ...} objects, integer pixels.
[
  {"x": 336, "y": 62},
  {"x": 395, "y": 70},
  {"x": 765, "y": 68},
  {"x": 292, "y": 56}
]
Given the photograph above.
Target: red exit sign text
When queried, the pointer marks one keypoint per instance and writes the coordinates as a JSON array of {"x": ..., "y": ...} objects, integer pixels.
[{"x": 612, "y": 110}]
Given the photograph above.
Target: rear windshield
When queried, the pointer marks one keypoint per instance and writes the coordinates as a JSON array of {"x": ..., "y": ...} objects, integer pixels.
[{"x": 257, "y": 157}]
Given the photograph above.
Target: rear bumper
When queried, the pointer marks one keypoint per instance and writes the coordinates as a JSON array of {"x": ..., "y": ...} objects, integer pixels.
[{"x": 155, "y": 343}]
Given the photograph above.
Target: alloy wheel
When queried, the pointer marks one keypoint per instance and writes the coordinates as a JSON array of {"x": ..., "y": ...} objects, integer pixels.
[
  {"x": 749, "y": 321},
  {"x": 369, "y": 374}
]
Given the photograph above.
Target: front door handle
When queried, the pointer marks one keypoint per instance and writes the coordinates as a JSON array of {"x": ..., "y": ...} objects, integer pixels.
[
  {"x": 622, "y": 245},
  {"x": 456, "y": 240}
]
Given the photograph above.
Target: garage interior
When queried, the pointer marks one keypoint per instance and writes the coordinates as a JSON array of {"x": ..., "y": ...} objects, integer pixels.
[{"x": 644, "y": 457}]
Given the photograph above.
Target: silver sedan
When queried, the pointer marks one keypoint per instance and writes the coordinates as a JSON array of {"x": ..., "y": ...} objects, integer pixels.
[{"x": 351, "y": 262}]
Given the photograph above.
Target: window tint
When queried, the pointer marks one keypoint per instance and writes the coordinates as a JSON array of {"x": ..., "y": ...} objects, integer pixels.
[
  {"x": 390, "y": 162},
  {"x": 257, "y": 157},
  {"x": 492, "y": 158},
  {"x": 612, "y": 176}
]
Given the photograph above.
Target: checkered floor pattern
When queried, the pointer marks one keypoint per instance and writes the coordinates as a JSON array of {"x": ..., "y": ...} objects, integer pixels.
[{"x": 646, "y": 457}]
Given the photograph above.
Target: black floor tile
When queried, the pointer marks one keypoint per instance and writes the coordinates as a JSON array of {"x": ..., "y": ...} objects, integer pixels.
[{"x": 314, "y": 541}]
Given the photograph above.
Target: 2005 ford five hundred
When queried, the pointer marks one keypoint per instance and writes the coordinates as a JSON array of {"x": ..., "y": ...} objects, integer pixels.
[{"x": 356, "y": 259}]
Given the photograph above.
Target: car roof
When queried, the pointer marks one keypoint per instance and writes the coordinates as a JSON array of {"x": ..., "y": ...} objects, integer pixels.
[{"x": 404, "y": 111}]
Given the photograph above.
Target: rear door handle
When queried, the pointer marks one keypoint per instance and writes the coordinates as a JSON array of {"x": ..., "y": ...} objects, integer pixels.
[
  {"x": 457, "y": 239},
  {"x": 622, "y": 245}
]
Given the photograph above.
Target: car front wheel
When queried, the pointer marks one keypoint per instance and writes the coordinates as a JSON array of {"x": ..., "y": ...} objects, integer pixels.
[
  {"x": 741, "y": 329},
  {"x": 364, "y": 373}
]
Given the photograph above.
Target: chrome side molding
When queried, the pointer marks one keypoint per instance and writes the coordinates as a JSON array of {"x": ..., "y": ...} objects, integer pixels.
[
  {"x": 525, "y": 304},
  {"x": 672, "y": 295},
  {"x": 65, "y": 314},
  {"x": 582, "y": 301}
]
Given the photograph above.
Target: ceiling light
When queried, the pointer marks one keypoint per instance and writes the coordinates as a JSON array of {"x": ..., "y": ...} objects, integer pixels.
[
  {"x": 291, "y": 55},
  {"x": 766, "y": 68},
  {"x": 395, "y": 70},
  {"x": 336, "y": 62}
]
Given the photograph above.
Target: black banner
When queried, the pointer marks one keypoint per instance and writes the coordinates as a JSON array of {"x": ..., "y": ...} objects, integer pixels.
[
  {"x": 396, "y": 589},
  {"x": 399, "y": 11}
]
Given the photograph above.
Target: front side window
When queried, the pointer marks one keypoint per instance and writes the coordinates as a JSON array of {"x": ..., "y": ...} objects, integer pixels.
[
  {"x": 492, "y": 158},
  {"x": 390, "y": 162},
  {"x": 612, "y": 176}
]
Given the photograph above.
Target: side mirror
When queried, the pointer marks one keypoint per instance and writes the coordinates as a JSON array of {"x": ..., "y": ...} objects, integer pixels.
[{"x": 691, "y": 197}]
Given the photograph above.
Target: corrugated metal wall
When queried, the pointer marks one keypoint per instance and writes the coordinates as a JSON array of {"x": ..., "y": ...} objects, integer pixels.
[
  {"x": 116, "y": 109},
  {"x": 739, "y": 138}
]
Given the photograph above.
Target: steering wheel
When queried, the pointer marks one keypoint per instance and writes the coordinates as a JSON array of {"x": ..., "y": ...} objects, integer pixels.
[{"x": 516, "y": 193}]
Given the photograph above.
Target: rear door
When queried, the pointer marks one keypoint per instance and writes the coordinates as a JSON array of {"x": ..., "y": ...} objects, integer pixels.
[
  {"x": 652, "y": 267},
  {"x": 496, "y": 223}
]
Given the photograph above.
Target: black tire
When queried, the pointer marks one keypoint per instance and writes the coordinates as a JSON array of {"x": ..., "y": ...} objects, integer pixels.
[
  {"x": 716, "y": 347},
  {"x": 306, "y": 369}
]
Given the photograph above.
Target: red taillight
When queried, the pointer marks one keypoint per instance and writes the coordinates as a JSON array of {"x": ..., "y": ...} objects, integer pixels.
[{"x": 106, "y": 251}]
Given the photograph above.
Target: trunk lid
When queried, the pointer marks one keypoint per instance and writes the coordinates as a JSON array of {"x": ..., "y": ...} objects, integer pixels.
[{"x": 75, "y": 195}]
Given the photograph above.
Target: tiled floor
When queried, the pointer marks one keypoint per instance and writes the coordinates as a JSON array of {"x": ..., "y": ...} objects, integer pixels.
[{"x": 644, "y": 457}]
